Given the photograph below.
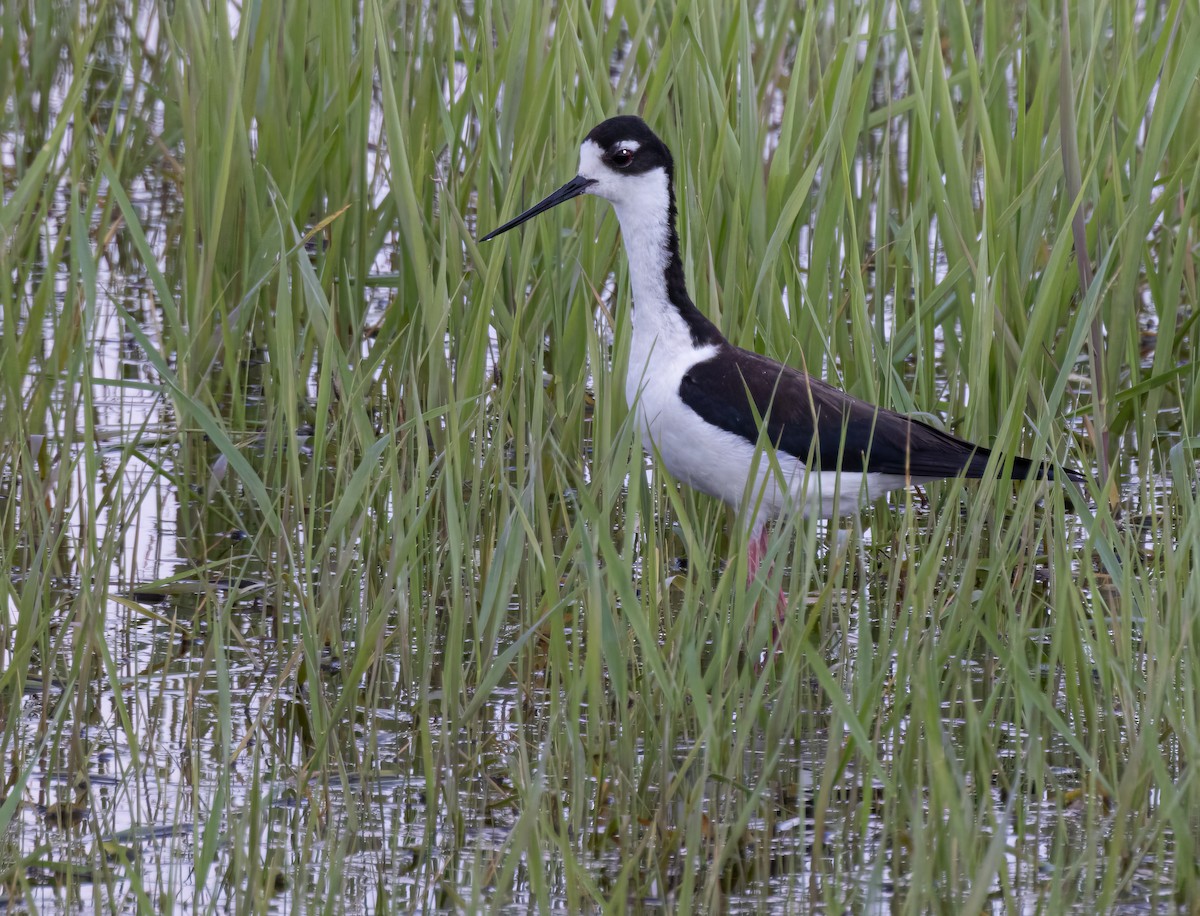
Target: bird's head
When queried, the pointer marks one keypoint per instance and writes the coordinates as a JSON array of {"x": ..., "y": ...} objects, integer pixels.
[{"x": 622, "y": 161}]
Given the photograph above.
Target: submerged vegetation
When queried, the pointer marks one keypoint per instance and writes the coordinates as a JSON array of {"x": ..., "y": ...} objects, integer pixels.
[{"x": 335, "y": 576}]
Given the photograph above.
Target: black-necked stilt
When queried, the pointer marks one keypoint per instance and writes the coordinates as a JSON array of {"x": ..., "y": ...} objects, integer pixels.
[{"x": 703, "y": 404}]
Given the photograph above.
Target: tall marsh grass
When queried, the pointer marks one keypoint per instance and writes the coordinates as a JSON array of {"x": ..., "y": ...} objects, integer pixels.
[{"x": 336, "y": 577}]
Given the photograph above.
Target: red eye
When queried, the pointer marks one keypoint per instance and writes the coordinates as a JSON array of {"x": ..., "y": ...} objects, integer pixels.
[{"x": 622, "y": 157}]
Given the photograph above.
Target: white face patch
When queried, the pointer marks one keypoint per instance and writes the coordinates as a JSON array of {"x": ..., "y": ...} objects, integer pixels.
[
  {"x": 643, "y": 192},
  {"x": 590, "y": 164}
]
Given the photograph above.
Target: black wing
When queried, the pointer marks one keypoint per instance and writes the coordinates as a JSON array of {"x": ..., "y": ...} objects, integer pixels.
[{"x": 807, "y": 417}]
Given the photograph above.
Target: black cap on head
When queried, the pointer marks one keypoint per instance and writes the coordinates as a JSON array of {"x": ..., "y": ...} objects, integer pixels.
[{"x": 651, "y": 153}]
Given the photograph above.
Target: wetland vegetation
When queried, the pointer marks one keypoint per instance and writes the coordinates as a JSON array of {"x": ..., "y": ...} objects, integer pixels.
[{"x": 335, "y": 576}]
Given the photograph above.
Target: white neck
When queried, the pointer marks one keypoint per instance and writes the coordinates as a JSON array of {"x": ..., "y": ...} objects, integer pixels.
[
  {"x": 667, "y": 327},
  {"x": 645, "y": 232},
  {"x": 660, "y": 334}
]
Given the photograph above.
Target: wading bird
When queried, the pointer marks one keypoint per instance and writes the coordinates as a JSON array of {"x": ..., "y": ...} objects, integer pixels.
[{"x": 763, "y": 437}]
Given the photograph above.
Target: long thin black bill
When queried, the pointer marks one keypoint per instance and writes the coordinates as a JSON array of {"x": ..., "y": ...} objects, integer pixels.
[{"x": 572, "y": 188}]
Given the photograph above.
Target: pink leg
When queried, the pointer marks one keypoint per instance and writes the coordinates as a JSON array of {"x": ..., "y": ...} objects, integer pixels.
[{"x": 755, "y": 553}]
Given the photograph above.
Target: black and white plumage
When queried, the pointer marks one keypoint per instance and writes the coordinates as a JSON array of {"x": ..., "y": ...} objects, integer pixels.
[{"x": 702, "y": 403}]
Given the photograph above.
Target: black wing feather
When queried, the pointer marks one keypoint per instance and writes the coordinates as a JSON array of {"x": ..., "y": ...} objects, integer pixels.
[{"x": 807, "y": 417}]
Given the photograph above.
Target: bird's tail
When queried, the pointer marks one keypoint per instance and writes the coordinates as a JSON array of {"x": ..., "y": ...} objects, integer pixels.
[{"x": 1021, "y": 468}]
